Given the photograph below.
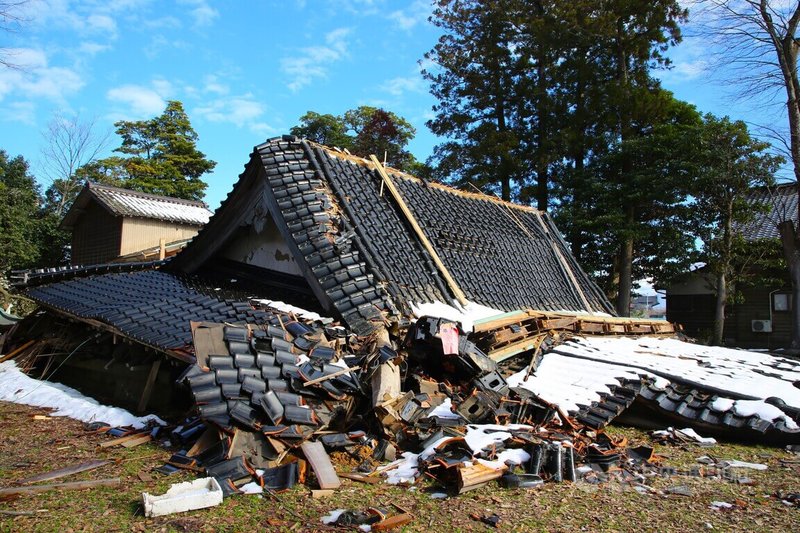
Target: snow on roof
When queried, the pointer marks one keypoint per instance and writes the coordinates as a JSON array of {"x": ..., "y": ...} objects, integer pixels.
[
  {"x": 126, "y": 203},
  {"x": 577, "y": 372}
]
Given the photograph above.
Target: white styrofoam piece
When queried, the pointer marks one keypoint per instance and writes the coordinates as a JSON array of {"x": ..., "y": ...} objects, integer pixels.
[{"x": 181, "y": 497}]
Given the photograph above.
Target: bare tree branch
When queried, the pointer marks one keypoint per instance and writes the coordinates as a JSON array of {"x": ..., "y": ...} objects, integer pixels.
[
  {"x": 11, "y": 19},
  {"x": 69, "y": 145}
]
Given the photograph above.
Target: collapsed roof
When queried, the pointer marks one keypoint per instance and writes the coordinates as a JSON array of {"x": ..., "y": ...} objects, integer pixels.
[
  {"x": 344, "y": 236},
  {"x": 327, "y": 217}
]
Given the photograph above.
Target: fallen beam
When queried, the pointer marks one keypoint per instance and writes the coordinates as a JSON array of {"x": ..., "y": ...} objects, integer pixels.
[
  {"x": 72, "y": 485},
  {"x": 63, "y": 472}
]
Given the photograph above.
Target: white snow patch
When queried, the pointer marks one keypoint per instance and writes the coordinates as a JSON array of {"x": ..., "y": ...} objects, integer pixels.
[
  {"x": 288, "y": 308},
  {"x": 763, "y": 410},
  {"x": 17, "y": 387},
  {"x": 735, "y": 463},
  {"x": 251, "y": 488},
  {"x": 467, "y": 315},
  {"x": 722, "y": 404},
  {"x": 570, "y": 382},
  {"x": 513, "y": 456},
  {"x": 332, "y": 517},
  {"x": 692, "y": 434},
  {"x": 737, "y": 372},
  {"x": 443, "y": 410}
]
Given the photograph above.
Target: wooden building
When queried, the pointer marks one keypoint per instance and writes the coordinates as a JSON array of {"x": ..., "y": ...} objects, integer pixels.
[
  {"x": 109, "y": 223},
  {"x": 761, "y": 318}
]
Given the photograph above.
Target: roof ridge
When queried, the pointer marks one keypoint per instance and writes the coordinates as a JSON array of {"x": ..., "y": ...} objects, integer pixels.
[
  {"x": 148, "y": 196},
  {"x": 336, "y": 152}
]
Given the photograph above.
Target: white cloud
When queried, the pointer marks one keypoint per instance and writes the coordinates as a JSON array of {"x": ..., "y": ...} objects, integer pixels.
[
  {"x": 168, "y": 22},
  {"x": 91, "y": 48},
  {"x": 401, "y": 85},
  {"x": 202, "y": 13},
  {"x": 24, "y": 112},
  {"x": 35, "y": 78},
  {"x": 212, "y": 85},
  {"x": 142, "y": 101},
  {"x": 102, "y": 24},
  {"x": 243, "y": 111},
  {"x": 417, "y": 13},
  {"x": 312, "y": 62}
]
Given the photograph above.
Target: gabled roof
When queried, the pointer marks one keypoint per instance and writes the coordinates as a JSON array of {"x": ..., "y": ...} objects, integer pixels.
[
  {"x": 126, "y": 203},
  {"x": 359, "y": 254},
  {"x": 781, "y": 204}
]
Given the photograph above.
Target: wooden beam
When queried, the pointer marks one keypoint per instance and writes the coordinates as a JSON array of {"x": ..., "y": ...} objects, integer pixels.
[
  {"x": 73, "y": 485},
  {"x": 122, "y": 440},
  {"x": 457, "y": 292},
  {"x": 16, "y": 352},
  {"x": 148, "y": 385},
  {"x": 63, "y": 472}
]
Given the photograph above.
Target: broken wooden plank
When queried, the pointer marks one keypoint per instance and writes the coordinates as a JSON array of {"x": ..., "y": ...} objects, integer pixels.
[
  {"x": 392, "y": 522},
  {"x": 14, "y": 353},
  {"x": 148, "y": 385},
  {"x": 72, "y": 485},
  {"x": 63, "y": 472},
  {"x": 121, "y": 440},
  {"x": 331, "y": 376},
  {"x": 137, "y": 441},
  {"x": 321, "y": 464},
  {"x": 457, "y": 292},
  {"x": 359, "y": 477}
]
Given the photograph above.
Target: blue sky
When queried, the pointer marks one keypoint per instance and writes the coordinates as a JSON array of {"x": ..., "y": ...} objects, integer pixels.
[{"x": 246, "y": 71}]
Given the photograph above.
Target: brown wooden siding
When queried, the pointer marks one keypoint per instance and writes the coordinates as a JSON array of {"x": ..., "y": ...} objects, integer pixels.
[
  {"x": 96, "y": 236},
  {"x": 141, "y": 233},
  {"x": 755, "y": 306},
  {"x": 695, "y": 312}
]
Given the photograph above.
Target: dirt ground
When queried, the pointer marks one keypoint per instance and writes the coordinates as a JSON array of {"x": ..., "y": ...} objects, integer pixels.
[{"x": 31, "y": 445}]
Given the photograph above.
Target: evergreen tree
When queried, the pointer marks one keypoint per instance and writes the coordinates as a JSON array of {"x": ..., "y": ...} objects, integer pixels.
[
  {"x": 162, "y": 156},
  {"x": 731, "y": 164},
  {"x": 480, "y": 109},
  {"x": 364, "y": 131},
  {"x": 20, "y": 214}
]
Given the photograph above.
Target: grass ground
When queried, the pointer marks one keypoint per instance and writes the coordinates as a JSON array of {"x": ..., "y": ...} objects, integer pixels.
[{"x": 31, "y": 446}]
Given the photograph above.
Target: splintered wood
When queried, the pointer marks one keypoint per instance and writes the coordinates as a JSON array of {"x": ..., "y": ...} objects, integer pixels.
[{"x": 514, "y": 333}]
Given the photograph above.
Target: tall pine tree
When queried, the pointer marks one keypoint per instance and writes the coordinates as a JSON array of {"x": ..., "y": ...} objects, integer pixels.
[{"x": 160, "y": 157}]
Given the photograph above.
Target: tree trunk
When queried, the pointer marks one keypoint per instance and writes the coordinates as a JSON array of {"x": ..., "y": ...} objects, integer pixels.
[
  {"x": 722, "y": 274},
  {"x": 626, "y": 268},
  {"x": 791, "y": 252},
  {"x": 786, "y": 48},
  {"x": 719, "y": 308}
]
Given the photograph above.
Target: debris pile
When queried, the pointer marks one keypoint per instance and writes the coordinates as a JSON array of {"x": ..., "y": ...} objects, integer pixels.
[{"x": 271, "y": 399}]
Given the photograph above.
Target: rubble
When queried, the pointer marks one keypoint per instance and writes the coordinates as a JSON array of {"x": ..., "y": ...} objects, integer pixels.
[{"x": 266, "y": 393}]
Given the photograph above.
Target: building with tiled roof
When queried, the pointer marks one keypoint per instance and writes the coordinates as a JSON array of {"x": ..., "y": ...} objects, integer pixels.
[
  {"x": 108, "y": 223},
  {"x": 775, "y": 204},
  {"x": 762, "y": 316},
  {"x": 329, "y": 222}
]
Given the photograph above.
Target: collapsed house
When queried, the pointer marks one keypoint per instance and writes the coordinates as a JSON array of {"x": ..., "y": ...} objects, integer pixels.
[{"x": 417, "y": 312}]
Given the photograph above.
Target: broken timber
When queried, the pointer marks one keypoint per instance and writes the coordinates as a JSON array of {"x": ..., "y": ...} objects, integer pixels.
[
  {"x": 73, "y": 485},
  {"x": 63, "y": 472},
  {"x": 507, "y": 335},
  {"x": 457, "y": 292}
]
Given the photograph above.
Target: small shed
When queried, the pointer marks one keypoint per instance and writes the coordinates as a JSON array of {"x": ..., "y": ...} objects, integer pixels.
[{"x": 108, "y": 223}]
